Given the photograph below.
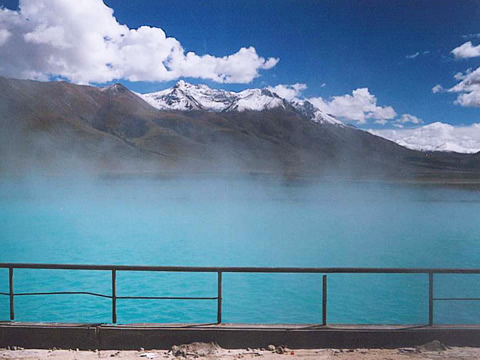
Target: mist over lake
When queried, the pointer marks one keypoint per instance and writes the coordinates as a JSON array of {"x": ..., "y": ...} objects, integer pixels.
[{"x": 239, "y": 222}]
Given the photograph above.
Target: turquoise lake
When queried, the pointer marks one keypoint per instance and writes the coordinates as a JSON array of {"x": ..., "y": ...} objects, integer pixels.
[{"x": 239, "y": 223}]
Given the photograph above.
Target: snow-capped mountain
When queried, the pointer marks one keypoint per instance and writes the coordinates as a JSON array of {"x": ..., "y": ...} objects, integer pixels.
[
  {"x": 186, "y": 97},
  {"x": 257, "y": 100},
  {"x": 436, "y": 137}
]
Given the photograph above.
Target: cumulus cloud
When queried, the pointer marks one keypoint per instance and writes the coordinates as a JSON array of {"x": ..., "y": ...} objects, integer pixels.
[
  {"x": 436, "y": 137},
  {"x": 468, "y": 86},
  {"x": 288, "y": 92},
  {"x": 409, "y": 118},
  {"x": 358, "y": 107},
  {"x": 400, "y": 122},
  {"x": 460, "y": 76},
  {"x": 466, "y": 51},
  {"x": 83, "y": 42},
  {"x": 468, "y": 89}
]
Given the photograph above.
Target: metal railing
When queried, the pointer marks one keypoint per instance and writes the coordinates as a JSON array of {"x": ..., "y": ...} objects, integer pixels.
[{"x": 220, "y": 270}]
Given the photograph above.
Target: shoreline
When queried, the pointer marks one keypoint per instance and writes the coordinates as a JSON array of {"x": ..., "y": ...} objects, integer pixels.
[{"x": 460, "y": 179}]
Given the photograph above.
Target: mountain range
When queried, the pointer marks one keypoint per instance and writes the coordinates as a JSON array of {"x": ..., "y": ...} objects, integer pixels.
[
  {"x": 59, "y": 127},
  {"x": 187, "y": 97}
]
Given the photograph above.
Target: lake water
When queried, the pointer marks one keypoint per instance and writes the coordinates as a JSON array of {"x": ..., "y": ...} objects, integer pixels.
[{"x": 239, "y": 223}]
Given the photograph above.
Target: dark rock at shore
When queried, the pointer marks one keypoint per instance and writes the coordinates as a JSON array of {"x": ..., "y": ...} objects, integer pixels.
[
  {"x": 434, "y": 345},
  {"x": 195, "y": 349}
]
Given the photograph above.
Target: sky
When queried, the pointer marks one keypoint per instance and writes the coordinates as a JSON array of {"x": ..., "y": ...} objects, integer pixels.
[{"x": 374, "y": 64}]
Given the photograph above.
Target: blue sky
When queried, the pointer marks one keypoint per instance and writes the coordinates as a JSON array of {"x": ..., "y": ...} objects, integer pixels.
[{"x": 334, "y": 47}]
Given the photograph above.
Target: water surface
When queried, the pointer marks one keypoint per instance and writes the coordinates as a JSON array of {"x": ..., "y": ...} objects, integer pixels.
[{"x": 239, "y": 223}]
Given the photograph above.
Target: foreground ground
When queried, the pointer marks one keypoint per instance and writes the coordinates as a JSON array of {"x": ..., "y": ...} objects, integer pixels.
[{"x": 432, "y": 351}]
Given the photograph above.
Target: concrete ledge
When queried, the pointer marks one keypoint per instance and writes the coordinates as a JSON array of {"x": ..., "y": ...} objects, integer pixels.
[{"x": 229, "y": 336}]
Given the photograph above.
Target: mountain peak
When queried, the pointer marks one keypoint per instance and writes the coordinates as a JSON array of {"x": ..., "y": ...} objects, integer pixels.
[
  {"x": 309, "y": 110},
  {"x": 182, "y": 84},
  {"x": 266, "y": 92},
  {"x": 115, "y": 88}
]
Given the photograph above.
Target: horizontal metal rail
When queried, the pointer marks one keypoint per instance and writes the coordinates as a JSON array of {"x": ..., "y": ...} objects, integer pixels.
[
  {"x": 165, "y": 298},
  {"x": 220, "y": 270},
  {"x": 311, "y": 270},
  {"x": 110, "y": 297},
  {"x": 62, "y": 293},
  {"x": 456, "y": 299}
]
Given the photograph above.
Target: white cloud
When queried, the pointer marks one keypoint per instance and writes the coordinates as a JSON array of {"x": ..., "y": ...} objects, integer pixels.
[
  {"x": 413, "y": 56},
  {"x": 408, "y": 118},
  {"x": 436, "y": 137},
  {"x": 4, "y": 35},
  {"x": 359, "y": 107},
  {"x": 468, "y": 88},
  {"x": 288, "y": 92},
  {"x": 466, "y": 51},
  {"x": 401, "y": 121},
  {"x": 83, "y": 42},
  {"x": 381, "y": 122},
  {"x": 459, "y": 76},
  {"x": 437, "y": 89},
  {"x": 417, "y": 54}
]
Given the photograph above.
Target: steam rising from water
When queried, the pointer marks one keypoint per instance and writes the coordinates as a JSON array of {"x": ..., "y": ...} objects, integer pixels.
[{"x": 233, "y": 222}]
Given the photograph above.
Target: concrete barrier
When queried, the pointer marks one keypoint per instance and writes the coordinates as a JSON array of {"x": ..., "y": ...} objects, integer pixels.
[{"x": 154, "y": 336}]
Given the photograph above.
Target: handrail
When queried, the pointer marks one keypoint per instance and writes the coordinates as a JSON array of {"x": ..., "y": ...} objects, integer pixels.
[
  {"x": 231, "y": 269},
  {"x": 220, "y": 270}
]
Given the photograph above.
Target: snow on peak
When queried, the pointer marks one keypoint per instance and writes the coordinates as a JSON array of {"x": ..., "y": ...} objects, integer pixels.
[
  {"x": 256, "y": 100},
  {"x": 115, "y": 88},
  {"x": 182, "y": 84},
  {"x": 311, "y": 111},
  {"x": 436, "y": 137},
  {"x": 186, "y": 97}
]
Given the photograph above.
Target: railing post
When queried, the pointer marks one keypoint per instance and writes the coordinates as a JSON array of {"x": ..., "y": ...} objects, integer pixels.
[
  {"x": 430, "y": 299},
  {"x": 219, "y": 298},
  {"x": 114, "y": 296},
  {"x": 10, "y": 283},
  {"x": 324, "y": 300}
]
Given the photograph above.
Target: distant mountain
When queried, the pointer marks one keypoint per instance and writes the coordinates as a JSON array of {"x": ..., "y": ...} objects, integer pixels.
[
  {"x": 58, "y": 127},
  {"x": 436, "y": 136},
  {"x": 187, "y": 97}
]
